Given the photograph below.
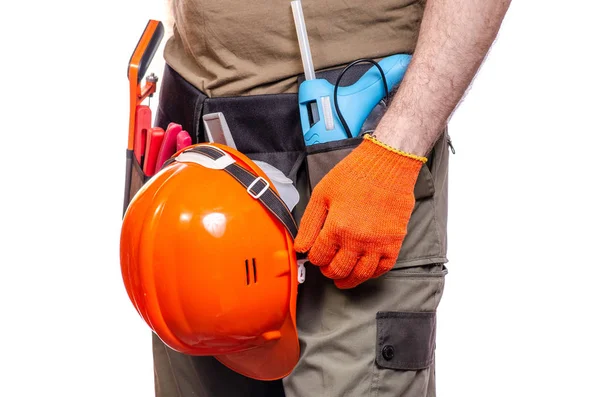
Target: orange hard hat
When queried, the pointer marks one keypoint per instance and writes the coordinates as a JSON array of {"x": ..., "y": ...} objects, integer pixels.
[{"x": 207, "y": 260}]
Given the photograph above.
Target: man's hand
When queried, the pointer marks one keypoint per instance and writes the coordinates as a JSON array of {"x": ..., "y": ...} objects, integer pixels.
[{"x": 357, "y": 217}]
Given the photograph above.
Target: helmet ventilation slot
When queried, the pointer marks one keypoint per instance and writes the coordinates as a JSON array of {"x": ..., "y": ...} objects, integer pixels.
[{"x": 251, "y": 273}]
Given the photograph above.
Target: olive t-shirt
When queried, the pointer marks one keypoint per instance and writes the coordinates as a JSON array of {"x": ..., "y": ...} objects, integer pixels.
[{"x": 233, "y": 47}]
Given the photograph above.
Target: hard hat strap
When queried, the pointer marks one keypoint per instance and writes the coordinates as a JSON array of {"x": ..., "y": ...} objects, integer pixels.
[
  {"x": 257, "y": 187},
  {"x": 268, "y": 198}
]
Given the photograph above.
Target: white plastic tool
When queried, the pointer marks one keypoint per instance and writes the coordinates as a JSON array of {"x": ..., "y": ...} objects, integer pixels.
[
  {"x": 283, "y": 185},
  {"x": 309, "y": 69},
  {"x": 217, "y": 130}
]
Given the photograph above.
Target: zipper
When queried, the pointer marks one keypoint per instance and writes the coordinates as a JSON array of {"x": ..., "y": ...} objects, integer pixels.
[
  {"x": 407, "y": 272},
  {"x": 450, "y": 145}
]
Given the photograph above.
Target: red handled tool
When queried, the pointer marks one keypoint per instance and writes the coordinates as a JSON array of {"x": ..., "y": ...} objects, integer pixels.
[
  {"x": 183, "y": 140},
  {"x": 143, "y": 123},
  {"x": 153, "y": 144},
  {"x": 169, "y": 144}
]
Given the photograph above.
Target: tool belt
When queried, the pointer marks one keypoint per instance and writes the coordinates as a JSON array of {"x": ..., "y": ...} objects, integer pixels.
[{"x": 267, "y": 128}]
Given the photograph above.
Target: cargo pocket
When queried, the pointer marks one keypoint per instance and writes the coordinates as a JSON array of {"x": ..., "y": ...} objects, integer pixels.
[
  {"x": 406, "y": 333},
  {"x": 405, "y": 340}
]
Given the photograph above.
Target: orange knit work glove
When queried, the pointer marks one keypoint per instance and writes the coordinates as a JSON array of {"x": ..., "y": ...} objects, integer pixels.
[{"x": 357, "y": 216}]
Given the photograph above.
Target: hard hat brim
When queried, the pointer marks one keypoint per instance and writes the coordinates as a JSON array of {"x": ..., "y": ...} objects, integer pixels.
[{"x": 272, "y": 361}]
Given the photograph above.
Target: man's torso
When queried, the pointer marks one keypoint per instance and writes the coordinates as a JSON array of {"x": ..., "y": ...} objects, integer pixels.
[{"x": 232, "y": 47}]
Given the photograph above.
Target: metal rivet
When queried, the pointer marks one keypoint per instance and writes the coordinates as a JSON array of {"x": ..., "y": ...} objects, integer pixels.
[{"x": 387, "y": 352}]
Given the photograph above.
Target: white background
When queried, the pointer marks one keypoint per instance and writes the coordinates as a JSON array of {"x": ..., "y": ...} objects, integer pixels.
[{"x": 520, "y": 312}]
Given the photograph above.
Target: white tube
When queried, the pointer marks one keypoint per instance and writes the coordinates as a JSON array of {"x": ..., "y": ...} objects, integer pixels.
[{"x": 309, "y": 70}]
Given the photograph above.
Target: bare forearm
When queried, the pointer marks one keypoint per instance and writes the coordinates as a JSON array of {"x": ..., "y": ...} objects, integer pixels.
[{"x": 454, "y": 39}]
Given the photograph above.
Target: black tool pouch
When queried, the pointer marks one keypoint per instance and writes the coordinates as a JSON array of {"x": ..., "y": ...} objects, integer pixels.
[
  {"x": 264, "y": 127},
  {"x": 267, "y": 128}
]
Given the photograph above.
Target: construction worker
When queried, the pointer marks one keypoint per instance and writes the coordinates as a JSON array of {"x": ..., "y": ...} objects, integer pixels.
[{"x": 374, "y": 223}]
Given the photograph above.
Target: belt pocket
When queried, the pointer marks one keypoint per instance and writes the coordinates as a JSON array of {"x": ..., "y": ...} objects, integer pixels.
[
  {"x": 138, "y": 178},
  {"x": 405, "y": 340},
  {"x": 322, "y": 157},
  {"x": 264, "y": 128}
]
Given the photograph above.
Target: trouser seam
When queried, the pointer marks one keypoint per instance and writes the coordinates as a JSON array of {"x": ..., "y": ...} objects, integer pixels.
[{"x": 375, "y": 373}]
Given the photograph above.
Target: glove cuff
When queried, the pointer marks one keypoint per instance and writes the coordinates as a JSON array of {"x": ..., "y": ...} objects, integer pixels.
[
  {"x": 400, "y": 152},
  {"x": 384, "y": 166}
]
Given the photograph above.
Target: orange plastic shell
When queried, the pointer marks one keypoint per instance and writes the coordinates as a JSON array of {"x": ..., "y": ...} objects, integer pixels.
[{"x": 211, "y": 270}]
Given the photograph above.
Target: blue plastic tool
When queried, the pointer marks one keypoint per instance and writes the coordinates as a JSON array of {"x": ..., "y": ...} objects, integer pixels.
[{"x": 318, "y": 116}]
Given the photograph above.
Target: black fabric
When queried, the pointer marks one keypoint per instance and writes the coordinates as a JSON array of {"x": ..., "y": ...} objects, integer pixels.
[
  {"x": 209, "y": 152},
  {"x": 275, "y": 118},
  {"x": 405, "y": 340},
  {"x": 179, "y": 102}
]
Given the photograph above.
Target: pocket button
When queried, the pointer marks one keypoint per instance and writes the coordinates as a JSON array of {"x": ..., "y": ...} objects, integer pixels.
[{"x": 387, "y": 352}]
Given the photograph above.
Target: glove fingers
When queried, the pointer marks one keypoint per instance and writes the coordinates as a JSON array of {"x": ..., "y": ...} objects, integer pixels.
[
  {"x": 385, "y": 265},
  {"x": 324, "y": 249},
  {"x": 311, "y": 223},
  {"x": 342, "y": 264},
  {"x": 363, "y": 271}
]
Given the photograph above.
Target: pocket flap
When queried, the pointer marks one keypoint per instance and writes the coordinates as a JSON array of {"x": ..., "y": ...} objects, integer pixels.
[
  {"x": 405, "y": 340},
  {"x": 322, "y": 157}
]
